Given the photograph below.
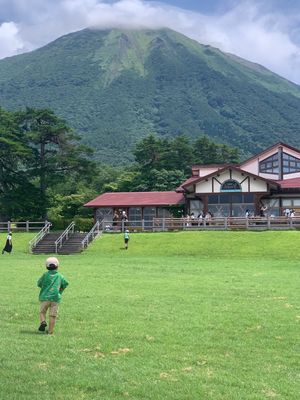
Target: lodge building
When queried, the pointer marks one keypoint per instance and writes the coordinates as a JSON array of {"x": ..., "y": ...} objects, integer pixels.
[{"x": 270, "y": 179}]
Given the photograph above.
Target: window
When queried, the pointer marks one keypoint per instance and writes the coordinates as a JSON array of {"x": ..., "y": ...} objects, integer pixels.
[
  {"x": 213, "y": 199},
  {"x": 231, "y": 186},
  {"x": 291, "y": 164},
  {"x": 225, "y": 198},
  {"x": 237, "y": 198},
  {"x": 104, "y": 213},
  {"x": 135, "y": 214},
  {"x": 230, "y": 204},
  {"x": 149, "y": 214},
  {"x": 286, "y": 202},
  {"x": 249, "y": 198},
  {"x": 269, "y": 165},
  {"x": 291, "y": 202},
  {"x": 163, "y": 213}
]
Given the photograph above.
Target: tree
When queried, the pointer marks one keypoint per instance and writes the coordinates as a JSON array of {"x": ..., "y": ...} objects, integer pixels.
[
  {"x": 208, "y": 152},
  {"x": 13, "y": 179},
  {"x": 55, "y": 151},
  {"x": 150, "y": 152},
  {"x": 179, "y": 154},
  {"x": 205, "y": 151}
]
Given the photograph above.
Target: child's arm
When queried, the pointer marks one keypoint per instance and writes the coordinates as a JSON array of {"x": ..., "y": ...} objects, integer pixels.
[
  {"x": 63, "y": 285},
  {"x": 40, "y": 281}
]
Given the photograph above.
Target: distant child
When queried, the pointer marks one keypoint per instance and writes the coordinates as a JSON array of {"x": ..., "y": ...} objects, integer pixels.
[
  {"x": 52, "y": 284},
  {"x": 126, "y": 238}
]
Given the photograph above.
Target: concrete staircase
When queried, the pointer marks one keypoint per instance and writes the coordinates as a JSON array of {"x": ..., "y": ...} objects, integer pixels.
[
  {"x": 70, "y": 246},
  {"x": 47, "y": 244}
]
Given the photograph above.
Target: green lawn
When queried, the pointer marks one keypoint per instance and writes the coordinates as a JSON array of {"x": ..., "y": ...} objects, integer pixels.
[{"x": 179, "y": 316}]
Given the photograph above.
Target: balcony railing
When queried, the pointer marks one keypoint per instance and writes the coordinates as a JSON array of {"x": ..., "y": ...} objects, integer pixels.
[{"x": 214, "y": 223}]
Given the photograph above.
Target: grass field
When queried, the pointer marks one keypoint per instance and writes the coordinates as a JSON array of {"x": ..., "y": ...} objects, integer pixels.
[{"x": 189, "y": 315}]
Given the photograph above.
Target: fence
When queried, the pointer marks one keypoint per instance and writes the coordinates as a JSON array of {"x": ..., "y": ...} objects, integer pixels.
[
  {"x": 22, "y": 226},
  {"x": 214, "y": 223}
]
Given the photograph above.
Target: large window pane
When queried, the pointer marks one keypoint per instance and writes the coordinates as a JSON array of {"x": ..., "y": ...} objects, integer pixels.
[
  {"x": 163, "y": 213},
  {"x": 287, "y": 202},
  {"x": 248, "y": 198},
  {"x": 219, "y": 210},
  {"x": 237, "y": 198},
  {"x": 105, "y": 214},
  {"x": 135, "y": 214},
  {"x": 149, "y": 214},
  {"x": 213, "y": 199},
  {"x": 225, "y": 198}
]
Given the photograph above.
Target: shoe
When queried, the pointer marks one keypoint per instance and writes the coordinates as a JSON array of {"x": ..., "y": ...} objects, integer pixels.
[{"x": 42, "y": 327}]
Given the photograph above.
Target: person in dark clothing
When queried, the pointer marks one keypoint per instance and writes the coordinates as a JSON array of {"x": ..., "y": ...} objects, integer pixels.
[{"x": 8, "y": 244}]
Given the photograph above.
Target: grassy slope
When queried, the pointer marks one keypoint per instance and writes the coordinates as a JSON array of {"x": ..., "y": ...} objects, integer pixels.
[
  {"x": 210, "y": 315},
  {"x": 114, "y": 87}
]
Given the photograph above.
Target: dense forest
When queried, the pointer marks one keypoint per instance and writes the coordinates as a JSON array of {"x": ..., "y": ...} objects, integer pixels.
[
  {"x": 45, "y": 171},
  {"x": 115, "y": 87}
]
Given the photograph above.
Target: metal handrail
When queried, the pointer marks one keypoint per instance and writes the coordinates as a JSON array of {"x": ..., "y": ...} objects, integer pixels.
[
  {"x": 92, "y": 234},
  {"x": 39, "y": 236},
  {"x": 65, "y": 235}
]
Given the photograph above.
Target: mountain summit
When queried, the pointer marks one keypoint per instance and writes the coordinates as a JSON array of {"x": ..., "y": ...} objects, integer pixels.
[{"x": 116, "y": 86}]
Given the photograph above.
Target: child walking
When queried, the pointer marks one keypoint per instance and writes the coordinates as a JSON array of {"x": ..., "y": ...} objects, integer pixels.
[
  {"x": 126, "y": 238},
  {"x": 52, "y": 284}
]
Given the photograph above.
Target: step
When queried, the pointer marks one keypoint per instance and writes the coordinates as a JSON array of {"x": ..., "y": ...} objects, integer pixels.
[{"x": 72, "y": 245}]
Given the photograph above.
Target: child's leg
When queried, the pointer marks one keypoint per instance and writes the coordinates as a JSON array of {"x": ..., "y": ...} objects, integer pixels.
[
  {"x": 52, "y": 316},
  {"x": 42, "y": 316},
  {"x": 52, "y": 321},
  {"x": 43, "y": 311}
]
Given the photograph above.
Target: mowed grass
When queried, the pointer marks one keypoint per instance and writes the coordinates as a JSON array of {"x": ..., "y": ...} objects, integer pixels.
[{"x": 187, "y": 315}]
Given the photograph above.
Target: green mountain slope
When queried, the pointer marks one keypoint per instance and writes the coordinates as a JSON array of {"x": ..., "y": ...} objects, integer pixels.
[{"x": 116, "y": 86}]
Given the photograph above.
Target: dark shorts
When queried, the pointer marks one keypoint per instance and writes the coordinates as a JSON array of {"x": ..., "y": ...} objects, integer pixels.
[{"x": 126, "y": 240}]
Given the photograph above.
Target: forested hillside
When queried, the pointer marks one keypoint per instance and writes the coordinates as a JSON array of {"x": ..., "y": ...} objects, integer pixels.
[{"x": 115, "y": 87}]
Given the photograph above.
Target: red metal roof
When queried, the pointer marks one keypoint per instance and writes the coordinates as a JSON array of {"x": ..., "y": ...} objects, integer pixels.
[
  {"x": 293, "y": 183},
  {"x": 188, "y": 182},
  {"x": 131, "y": 199}
]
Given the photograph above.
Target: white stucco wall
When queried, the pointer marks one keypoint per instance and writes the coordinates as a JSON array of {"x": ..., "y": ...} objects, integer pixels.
[{"x": 203, "y": 171}]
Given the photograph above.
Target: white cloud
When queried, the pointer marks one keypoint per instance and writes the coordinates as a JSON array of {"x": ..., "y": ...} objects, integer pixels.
[
  {"x": 247, "y": 29},
  {"x": 11, "y": 42}
]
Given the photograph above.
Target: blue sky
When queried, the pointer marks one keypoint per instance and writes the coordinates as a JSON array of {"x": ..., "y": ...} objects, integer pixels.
[{"x": 262, "y": 31}]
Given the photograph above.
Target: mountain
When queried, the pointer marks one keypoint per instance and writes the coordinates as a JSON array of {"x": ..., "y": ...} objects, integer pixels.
[{"x": 116, "y": 86}]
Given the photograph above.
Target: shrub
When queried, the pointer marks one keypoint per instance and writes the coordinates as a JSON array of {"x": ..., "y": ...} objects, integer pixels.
[{"x": 81, "y": 224}]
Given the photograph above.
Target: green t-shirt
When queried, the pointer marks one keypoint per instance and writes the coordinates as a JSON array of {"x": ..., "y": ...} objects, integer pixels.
[{"x": 52, "y": 284}]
